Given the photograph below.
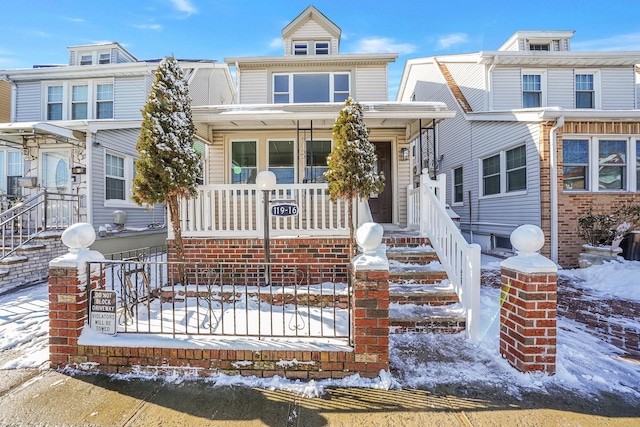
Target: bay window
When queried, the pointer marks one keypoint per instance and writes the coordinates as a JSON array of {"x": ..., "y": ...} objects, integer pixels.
[{"x": 310, "y": 87}]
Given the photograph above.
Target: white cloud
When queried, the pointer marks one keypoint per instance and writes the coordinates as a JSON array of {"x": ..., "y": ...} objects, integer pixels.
[
  {"x": 276, "y": 43},
  {"x": 624, "y": 42},
  {"x": 156, "y": 27},
  {"x": 184, "y": 6},
  {"x": 383, "y": 45},
  {"x": 449, "y": 40}
]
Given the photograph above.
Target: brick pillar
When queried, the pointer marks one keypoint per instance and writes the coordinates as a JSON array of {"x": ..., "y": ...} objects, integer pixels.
[
  {"x": 370, "y": 304},
  {"x": 68, "y": 293},
  {"x": 528, "y": 310}
]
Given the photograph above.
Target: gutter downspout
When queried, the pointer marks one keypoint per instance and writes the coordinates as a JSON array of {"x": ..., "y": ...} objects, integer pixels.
[{"x": 553, "y": 172}]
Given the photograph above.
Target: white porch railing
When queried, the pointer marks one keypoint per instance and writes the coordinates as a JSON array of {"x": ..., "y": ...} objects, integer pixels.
[
  {"x": 461, "y": 260},
  {"x": 236, "y": 210}
]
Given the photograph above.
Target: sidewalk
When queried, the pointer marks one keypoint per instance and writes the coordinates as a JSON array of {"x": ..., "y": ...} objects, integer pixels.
[{"x": 32, "y": 397}]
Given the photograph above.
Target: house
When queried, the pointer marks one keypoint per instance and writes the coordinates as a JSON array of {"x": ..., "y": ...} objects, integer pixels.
[
  {"x": 72, "y": 129},
  {"x": 282, "y": 121},
  {"x": 541, "y": 133}
]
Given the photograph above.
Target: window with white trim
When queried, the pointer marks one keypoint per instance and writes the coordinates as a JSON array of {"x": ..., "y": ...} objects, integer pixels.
[
  {"x": 300, "y": 48},
  {"x": 244, "y": 162},
  {"x": 601, "y": 164},
  {"x": 322, "y": 48},
  {"x": 104, "y": 58},
  {"x": 585, "y": 89},
  {"x": 104, "y": 101},
  {"x": 86, "y": 59},
  {"x": 11, "y": 169},
  {"x": 458, "y": 194},
  {"x": 281, "y": 160},
  {"x": 505, "y": 172},
  {"x": 54, "y": 102},
  {"x": 79, "y": 102},
  {"x": 531, "y": 90},
  {"x": 310, "y": 87},
  {"x": 114, "y": 170}
]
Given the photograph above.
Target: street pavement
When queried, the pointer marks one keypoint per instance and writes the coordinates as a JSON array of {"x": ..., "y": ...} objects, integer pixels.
[{"x": 50, "y": 398}]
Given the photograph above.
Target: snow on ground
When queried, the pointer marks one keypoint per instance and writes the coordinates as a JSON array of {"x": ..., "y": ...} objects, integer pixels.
[{"x": 585, "y": 364}]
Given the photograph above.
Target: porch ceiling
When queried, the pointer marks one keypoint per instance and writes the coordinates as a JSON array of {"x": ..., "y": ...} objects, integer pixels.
[
  {"x": 285, "y": 116},
  {"x": 16, "y": 133}
]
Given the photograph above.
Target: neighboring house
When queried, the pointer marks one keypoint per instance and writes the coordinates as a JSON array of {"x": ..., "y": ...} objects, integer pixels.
[
  {"x": 73, "y": 129},
  {"x": 517, "y": 105},
  {"x": 282, "y": 122}
]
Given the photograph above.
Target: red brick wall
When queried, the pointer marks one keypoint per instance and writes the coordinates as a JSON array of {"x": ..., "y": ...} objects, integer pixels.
[{"x": 528, "y": 320}]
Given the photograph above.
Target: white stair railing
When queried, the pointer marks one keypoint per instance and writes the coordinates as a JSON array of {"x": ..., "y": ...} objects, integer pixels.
[{"x": 460, "y": 259}]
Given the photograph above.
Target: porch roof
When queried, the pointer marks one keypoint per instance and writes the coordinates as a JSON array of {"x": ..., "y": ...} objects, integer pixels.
[
  {"x": 283, "y": 116},
  {"x": 15, "y": 133}
]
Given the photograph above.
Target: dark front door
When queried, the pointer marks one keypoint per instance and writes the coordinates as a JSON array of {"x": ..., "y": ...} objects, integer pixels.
[{"x": 382, "y": 205}]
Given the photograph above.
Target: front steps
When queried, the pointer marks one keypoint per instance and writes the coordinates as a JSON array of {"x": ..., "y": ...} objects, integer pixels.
[{"x": 421, "y": 298}]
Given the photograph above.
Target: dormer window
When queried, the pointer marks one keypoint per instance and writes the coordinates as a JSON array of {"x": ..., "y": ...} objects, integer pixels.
[
  {"x": 539, "y": 46},
  {"x": 105, "y": 58},
  {"x": 300, "y": 48},
  {"x": 86, "y": 60},
  {"x": 322, "y": 48}
]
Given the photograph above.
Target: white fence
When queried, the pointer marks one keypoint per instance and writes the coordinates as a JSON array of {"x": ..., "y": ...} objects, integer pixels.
[{"x": 461, "y": 260}]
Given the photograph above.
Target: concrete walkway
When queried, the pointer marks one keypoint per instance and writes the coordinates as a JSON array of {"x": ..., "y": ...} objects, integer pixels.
[{"x": 38, "y": 398}]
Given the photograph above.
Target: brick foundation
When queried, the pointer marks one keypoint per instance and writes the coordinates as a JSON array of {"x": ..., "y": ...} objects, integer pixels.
[{"x": 528, "y": 320}]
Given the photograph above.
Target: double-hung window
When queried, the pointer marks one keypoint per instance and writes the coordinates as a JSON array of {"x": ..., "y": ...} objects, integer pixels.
[
  {"x": 11, "y": 169},
  {"x": 458, "y": 194},
  {"x": 505, "y": 172},
  {"x": 322, "y": 48},
  {"x": 531, "y": 90},
  {"x": 105, "y": 58},
  {"x": 54, "y": 102},
  {"x": 104, "y": 101},
  {"x": 575, "y": 159},
  {"x": 585, "y": 91},
  {"x": 281, "y": 161},
  {"x": 300, "y": 48},
  {"x": 244, "y": 165},
  {"x": 115, "y": 185},
  {"x": 86, "y": 60},
  {"x": 79, "y": 102},
  {"x": 612, "y": 161},
  {"x": 310, "y": 87}
]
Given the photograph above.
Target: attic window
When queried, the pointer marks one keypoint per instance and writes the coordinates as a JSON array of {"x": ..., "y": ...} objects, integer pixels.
[
  {"x": 539, "y": 46},
  {"x": 300, "y": 48},
  {"x": 105, "y": 58},
  {"x": 86, "y": 60},
  {"x": 322, "y": 48}
]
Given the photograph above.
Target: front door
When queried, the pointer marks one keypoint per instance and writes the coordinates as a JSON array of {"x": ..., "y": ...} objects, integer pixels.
[{"x": 382, "y": 205}]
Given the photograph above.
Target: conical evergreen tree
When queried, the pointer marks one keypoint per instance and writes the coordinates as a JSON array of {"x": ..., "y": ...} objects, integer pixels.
[
  {"x": 168, "y": 165},
  {"x": 351, "y": 165}
]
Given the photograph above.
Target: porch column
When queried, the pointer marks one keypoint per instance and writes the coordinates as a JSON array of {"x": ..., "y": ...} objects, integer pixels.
[
  {"x": 370, "y": 303},
  {"x": 528, "y": 310}
]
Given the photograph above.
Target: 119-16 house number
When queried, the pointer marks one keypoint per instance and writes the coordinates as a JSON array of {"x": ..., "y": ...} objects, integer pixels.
[{"x": 284, "y": 210}]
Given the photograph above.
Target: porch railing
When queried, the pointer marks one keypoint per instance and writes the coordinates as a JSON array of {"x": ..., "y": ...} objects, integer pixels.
[
  {"x": 237, "y": 211},
  {"x": 22, "y": 220},
  {"x": 228, "y": 299},
  {"x": 460, "y": 259}
]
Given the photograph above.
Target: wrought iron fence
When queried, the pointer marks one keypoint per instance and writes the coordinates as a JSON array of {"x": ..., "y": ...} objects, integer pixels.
[{"x": 305, "y": 300}]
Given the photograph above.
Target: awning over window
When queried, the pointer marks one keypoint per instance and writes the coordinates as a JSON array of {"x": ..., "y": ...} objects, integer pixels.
[{"x": 15, "y": 133}]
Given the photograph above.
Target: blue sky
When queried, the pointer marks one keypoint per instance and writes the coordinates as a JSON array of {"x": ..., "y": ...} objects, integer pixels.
[{"x": 38, "y": 31}]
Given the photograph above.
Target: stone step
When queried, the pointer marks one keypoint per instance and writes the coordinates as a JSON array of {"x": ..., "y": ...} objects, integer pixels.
[
  {"x": 426, "y": 319},
  {"x": 412, "y": 255},
  {"x": 15, "y": 259},
  {"x": 3, "y": 272},
  {"x": 422, "y": 294},
  {"x": 412, "y": 276},
  {"x": 29, "y": 247}
]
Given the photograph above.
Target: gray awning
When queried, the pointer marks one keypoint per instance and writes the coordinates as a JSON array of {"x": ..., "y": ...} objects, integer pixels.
[{"x": 15, "y": 133}]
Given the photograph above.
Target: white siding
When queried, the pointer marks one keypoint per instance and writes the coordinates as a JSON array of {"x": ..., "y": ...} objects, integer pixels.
[
  {"x": 470, "y": 79},
  {"x": 129, "y": 97},
  {"x": 370, "y": 85},
  {"x": 310, "y": 31},
  {"x": 210, "y": 86},
  {"x": 29, "y": 102},
  {"x": 560, "y": 90},
  {"x": 506, "y": 89},
  {"x": 617, "y": 88},
  {"x": 216, "y": 160},
  {"x": 254, "y": 87}
]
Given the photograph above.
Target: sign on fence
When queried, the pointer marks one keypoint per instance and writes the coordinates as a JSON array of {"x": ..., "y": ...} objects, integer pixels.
[
  {"x": 284, "y": 210},
  {"x": 102, "y": 311}
]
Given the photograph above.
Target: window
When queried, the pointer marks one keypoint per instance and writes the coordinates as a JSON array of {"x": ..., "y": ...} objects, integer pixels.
[
  {"x": 322, "y": 48},
  {"x": 243, "y": 162},
  {"x": 115, "y": 177},
  {"x": 531, "y": 90},
  {"x": 104, "y": 101},
  {"x": 517, "y": 169},
  {"x": 281, "y": 155},
  {"x": 491, "y": 175},
  {"x": 300, "y": 48},
  {"x": 310, "y": 87},
  {"x": 86, "y": 60},
  {"x": 316, "y": 153},
  {"x": 585, "y": 92},
  {"x": 79, "y": 102},
  {"x": 458, "y": 194},
  {"x": 539, "y": 46},
  {"x": 575, "y": 159},
  {"x": 612, "y": 159},
  {"x": 105, "y": 58},
  {"x": 54, "y": 103},
  {"x": 13, "y": 168},
  {"x": 505, "y": 172}
]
